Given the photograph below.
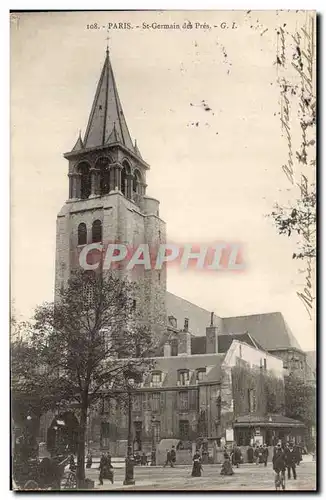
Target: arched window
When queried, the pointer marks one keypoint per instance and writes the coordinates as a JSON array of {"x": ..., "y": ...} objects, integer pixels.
[
  {"x": 125, "y": 173},
  {"x": 97, "y": 231},
  {"x": 105, "y": 174},
  {"x": 85, "y": 180},
  {"x": 82, "y": 234},
  {"x": 124, "y": 181},
  {"x": 136, "y": 183}
]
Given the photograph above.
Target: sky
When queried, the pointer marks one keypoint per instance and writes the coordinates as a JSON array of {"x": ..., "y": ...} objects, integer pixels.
[{"x": 216, "y": 172}]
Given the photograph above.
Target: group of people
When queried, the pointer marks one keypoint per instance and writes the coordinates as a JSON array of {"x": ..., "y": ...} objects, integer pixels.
[
  {"x": 286, "y": 456},
  {"x": 171, "y": 457}
]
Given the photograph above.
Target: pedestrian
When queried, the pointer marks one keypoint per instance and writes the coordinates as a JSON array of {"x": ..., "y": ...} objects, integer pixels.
[
  {"x": 279, "y": 463},
  {"x": 89, "y": 460},
  {"x": 106, "y": 469},
  {"x": 250, "y": 454},
  {"x": 143, "y": 460},
  {"x": 197, "y": 465},
  {"x": 265, "y": 454},
  {"x": 256, "y": 454},
  {"x": 168, "y": 459},
  {"x": 298, "y": 454},
  {"x": 226, "y": 469},
  {"x": 236, "y": 456},
  {"x": 173, "y": 455},
  {"x": 290, "y": 459}
]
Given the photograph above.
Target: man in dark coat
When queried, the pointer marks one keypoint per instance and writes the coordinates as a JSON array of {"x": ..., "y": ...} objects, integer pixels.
[
  {"x": 265, "y": 454},
  {"x": 257, "y": 454},
  {"x": 279, "y": 460},
  {"x": 168, "y": 459},
  {"x": 173, "y": 455},
  {"x": 298, "y": 454},
  {"x": 236, "y": 456},
  {"x": 250, "y": 454},
  {"x": 290, "y": 459}
]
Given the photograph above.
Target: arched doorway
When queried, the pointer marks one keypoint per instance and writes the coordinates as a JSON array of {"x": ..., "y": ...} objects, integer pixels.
[{"x": 62, "y": 435}]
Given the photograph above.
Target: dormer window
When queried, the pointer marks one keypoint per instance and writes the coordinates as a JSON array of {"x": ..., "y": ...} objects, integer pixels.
[
  {"x": 201, "y": 372},
  {"x": 156, "y": 379},
  {"x": 173, "y": 321},
  {"x": 183, "y": 377}
]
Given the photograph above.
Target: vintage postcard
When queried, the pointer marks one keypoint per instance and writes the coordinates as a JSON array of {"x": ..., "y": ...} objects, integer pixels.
[{"x": 163, "y": 218}]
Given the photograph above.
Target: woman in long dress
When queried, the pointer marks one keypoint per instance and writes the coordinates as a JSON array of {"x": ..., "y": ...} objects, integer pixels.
[
  {"x": 227, "y": 467},
  {"x": 197, "y": 466}
]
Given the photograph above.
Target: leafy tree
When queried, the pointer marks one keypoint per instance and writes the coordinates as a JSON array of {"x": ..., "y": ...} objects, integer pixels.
[
  {"x": 86, "y": 344},
  {"x": 300, "y": 400}
]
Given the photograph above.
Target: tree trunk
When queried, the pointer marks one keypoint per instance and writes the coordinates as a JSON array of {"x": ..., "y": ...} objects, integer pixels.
[{"x": 81, "y": 446}]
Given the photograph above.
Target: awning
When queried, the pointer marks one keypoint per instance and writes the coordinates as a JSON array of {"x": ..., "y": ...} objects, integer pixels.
[
  {"x": 166, "y": 444},
  {"x": 267, "y": 421}
]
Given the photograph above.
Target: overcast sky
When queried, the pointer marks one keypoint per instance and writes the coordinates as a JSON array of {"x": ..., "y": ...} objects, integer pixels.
[{"x": 215, "y": 181}]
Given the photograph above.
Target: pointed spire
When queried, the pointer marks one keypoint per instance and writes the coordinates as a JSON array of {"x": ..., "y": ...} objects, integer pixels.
[
  {"x": 79, "y": 144},
  {"x": 107, "y": 114}
]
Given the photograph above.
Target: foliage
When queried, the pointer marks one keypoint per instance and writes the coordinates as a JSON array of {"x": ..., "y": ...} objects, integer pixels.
[
  {"x": 301, "y": 220},
  {"x": 300, "y": 400},
  {"x": 88, "y": 343},
  {"x": 267, "y": 391}
]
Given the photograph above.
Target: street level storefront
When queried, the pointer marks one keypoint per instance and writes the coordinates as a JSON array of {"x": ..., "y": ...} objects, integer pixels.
[{"x": 269, "y": 429}]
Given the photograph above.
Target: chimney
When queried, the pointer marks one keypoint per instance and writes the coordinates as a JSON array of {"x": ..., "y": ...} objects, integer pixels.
[
  {"x": 212, "y": 337},
  {"x": 167, "y": 350},
  {"x": 184, "y": 344}
]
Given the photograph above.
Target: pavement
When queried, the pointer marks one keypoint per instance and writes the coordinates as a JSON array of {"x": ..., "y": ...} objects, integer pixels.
[{"x": 247, "y": 477}]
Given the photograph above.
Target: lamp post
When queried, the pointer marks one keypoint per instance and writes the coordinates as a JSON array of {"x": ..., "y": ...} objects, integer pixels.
[
  {"x": 129, "y": 470},
  {"x": 153, "y": 454}
]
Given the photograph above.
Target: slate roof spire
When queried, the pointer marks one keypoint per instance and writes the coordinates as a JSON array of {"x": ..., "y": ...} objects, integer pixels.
[{"x": 107, "y": 120}]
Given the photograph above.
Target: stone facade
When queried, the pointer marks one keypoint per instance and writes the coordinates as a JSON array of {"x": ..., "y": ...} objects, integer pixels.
[{"x": 184, "y": 397}]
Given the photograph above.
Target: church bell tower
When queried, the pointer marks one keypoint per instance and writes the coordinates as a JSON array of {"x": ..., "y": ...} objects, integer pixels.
[{"x": 107, "y": 199}]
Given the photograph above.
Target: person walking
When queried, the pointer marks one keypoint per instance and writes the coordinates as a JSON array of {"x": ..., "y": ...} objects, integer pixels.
[
  {"x": 168, "y": 459},
  {"x": 298, "y": 454},
  {"x": 89, "y": 460},
  {"x": 265, "y": 454},
  {"x": 173, "y": 455},
  {"x": 106, "y": 469},
  {"x": 197, "y": 465},
  {"x": 226, "y": 469},
  {"x": 250, "y": 454},
  {"x": 256, "y": 455},
  {"x": 279, "y": 465},
  {"x": 290, "y": 459},
  {"x": 236, "y": 456}
]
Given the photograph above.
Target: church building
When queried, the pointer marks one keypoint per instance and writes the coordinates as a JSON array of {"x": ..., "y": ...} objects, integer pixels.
[{"x": 108, "y": 202}]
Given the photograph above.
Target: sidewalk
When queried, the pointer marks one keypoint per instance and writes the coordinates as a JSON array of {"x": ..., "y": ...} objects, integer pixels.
[{"x": 118, "y": 485}]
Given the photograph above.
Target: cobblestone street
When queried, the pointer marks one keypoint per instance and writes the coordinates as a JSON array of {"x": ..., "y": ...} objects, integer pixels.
[{"x": 247, "y": 477}]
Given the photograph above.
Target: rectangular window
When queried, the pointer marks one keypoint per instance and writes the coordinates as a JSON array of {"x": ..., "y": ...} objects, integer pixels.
[
  {"x": 184, "y": 430},
  {"x": 183, "y": 377},
  {"x": 183, "y": 401},
  {"x": 201, "y": 374},
  {"x": 155, "y": 401},
  {"x": 156, "y": 379},
  {"x": 174, "y": 347},
  {"x": 193, "y": 400},
  {"x": 265, "y": 364}
]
